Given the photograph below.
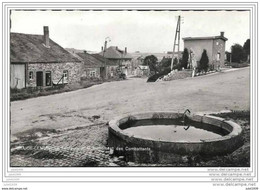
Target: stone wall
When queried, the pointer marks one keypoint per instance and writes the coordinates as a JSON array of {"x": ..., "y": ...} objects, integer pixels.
[
  {"x": 88, "y": 71},
  {"x": 74, "y": 69}
]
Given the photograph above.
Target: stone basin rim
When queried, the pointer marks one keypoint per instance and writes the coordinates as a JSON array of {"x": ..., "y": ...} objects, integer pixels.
[{"x": 199, "y": 117}]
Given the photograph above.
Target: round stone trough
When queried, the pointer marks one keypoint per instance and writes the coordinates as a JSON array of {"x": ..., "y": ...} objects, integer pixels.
[{"x": 176, "y": 136}]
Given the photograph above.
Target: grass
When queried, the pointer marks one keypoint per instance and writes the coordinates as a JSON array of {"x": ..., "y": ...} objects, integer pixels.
[{"x": 241, "y": 156}]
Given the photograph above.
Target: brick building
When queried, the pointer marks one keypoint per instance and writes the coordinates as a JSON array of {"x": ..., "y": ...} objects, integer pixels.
[
  {"x": 36, "y": 60},
  {"x": 214, "y": 45}
]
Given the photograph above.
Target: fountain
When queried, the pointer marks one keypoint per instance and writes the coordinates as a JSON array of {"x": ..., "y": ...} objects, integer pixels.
[{"x": 164, "y": 137}]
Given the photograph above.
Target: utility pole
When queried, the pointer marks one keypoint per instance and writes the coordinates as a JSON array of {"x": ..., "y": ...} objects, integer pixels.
[
  {"x": 105, "y": 47},
  {"x": 176, "y": 43}
]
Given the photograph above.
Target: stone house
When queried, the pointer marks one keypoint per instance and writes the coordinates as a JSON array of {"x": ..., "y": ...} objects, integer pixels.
[
  {"x": 93, "y": 67},
  {"x": 112, "y": 68},
  {"x": 119, "y": 57},
  {"x": 37, "y": 61},
  {"x": 214, "y": 45}
]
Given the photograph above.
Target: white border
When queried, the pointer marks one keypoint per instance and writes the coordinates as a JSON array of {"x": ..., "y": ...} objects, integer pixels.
[{"x": 126, "y": 174}]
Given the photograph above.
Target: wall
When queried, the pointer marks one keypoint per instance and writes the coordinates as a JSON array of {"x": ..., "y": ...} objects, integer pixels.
[
  {"x": 87, "y": 72},
  {"x": 213, "y": 47},
  {"x": 219, "y": 47},
  {"x": 17, "y": 74},
  {"x": 198, "y": 46},
  {"x": 112, "y": 71},
  {"x": 75, "y": 71}
]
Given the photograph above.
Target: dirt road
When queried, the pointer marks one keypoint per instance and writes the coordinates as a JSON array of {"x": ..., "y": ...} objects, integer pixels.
[{"x": 215, "y": 92}]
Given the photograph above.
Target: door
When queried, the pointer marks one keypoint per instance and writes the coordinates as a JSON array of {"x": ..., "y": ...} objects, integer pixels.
[
  {"x": 103, "y": 72},
  {"x": 48, "y": 78},
  {"x": 39, "y": 78}
]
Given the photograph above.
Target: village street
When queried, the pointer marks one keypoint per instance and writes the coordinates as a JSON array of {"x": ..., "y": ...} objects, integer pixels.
[{"x": 100, "y": 103}]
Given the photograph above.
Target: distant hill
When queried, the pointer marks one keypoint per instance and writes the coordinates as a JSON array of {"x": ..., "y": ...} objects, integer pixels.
[{"x": 158, "y": 55}]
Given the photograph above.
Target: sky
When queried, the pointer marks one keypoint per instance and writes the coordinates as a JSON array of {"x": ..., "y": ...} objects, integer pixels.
[{"x": 144, "y": 31}]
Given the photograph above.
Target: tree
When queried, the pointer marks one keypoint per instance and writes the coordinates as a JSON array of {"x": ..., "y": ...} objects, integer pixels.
[
  {"x": 151, "y": 61},
  {"x": 204, "y": 61},
  {"x": 228, "y": 54},
  {"x": 246, "y": 48},
  {"x": 165, "y": 63},
  {"x": 237, "y": 53},
  {"x": 185, "y": 58}
]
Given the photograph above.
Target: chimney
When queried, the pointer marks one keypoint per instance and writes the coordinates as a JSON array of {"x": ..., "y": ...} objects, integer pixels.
[
  {"x": 85, "y": 51},
  {"x": 116, "y": 48},
  {"x": 46, "y": 39},
  {"x": 102, "y": 49},
  {"x": 125, "y": 50},
  {"x": 222, "y": 34}
]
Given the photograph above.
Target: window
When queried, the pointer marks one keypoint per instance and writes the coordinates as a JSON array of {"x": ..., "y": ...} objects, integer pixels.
[
  {"x": 31, "y": 75},
  {"x": 218, "y": 56},
  {"x": 92, "y": 73},
  {"x": 65, "y": 75}
]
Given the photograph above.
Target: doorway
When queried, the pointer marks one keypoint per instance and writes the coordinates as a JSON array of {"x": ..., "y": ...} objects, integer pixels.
[
  {"x": 103, "y": 72},
  {"x": 39, "y": 78},
  {"x": 48, "y": 78}
]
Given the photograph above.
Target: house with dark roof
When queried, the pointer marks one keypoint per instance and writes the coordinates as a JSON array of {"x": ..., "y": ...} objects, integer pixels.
[
  {"x": 214, "y": 45},
  {"x": 119, "y": 57},
  {"x": 97, "y": 66},
  {"x": 93, "y": 67},
  {"x": 112, "y": 68},
  {"x": 36, "y": 60}
]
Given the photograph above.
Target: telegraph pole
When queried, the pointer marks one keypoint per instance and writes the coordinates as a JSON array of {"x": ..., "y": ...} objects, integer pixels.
[
  {"x": 176, "y": 40},
  {"x": 105, "y": 47}
]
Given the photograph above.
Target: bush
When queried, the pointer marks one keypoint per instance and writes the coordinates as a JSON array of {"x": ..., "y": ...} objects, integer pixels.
[
  {"x": 154, "y": 77},
  {"x": 178, "y": 67},
  {"x": 204, "y": 62},
  {"x": 151, "y": 61}
]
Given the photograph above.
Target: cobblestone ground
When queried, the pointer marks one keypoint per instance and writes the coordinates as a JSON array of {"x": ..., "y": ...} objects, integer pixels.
[{"x": 79, "y": 147}]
